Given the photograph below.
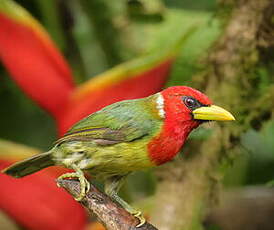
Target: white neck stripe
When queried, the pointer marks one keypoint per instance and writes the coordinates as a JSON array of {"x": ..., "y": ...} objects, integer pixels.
[{"x": 160, "y": 103}]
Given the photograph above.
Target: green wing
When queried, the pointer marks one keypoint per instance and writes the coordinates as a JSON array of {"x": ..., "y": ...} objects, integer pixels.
[{"x": 120, "y": 122}]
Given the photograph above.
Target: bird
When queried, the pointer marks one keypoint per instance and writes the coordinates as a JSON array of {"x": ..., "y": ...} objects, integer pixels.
[{"x": 124, "y": 137}]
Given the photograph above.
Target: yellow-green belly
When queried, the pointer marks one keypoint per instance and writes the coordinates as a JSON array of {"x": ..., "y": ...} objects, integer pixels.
[{"x": 105, "y": 161}]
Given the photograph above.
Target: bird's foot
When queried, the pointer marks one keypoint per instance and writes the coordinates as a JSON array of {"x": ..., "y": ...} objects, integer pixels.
[
  {"x": 111, "y": 187},
  {"x": 140, "y": 217},
  {"x": 138, "y": 214},
  {"x": 84, "y": 184}
]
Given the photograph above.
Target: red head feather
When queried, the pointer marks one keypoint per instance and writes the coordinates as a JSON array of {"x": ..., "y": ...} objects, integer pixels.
[{"x": 178, "y": 122}]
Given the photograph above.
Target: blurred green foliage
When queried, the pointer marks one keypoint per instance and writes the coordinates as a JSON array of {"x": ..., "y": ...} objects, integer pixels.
[{"x": 260, "y": 146}]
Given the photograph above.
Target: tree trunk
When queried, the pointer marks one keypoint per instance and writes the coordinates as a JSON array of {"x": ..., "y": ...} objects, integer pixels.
[{"x": 188, "y": 185}]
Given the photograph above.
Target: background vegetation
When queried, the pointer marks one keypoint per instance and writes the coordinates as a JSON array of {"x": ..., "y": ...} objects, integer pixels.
[{"x": 228, "y": 53}]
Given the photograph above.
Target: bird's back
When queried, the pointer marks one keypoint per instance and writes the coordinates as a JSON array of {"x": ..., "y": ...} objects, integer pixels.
[{"x": 113, "y": 140}]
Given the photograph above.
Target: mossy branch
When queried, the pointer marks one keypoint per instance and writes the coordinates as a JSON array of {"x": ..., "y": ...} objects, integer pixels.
[{"x": 112, "y": 216}]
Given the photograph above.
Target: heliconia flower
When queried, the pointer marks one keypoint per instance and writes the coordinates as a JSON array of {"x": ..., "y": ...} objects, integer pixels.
[
  {"x": 32, "y": 59},
  {"x": 35, "y": 201},
  {"x": 36, "y": 65},
  {"x": 95, "y": 226},
  {"x": 11, "y": 151}
]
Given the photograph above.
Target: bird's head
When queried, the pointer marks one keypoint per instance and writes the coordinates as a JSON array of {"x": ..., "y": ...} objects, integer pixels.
[
  {"x": 181, "y": 109},
  {"x": 185, "y": 104}
]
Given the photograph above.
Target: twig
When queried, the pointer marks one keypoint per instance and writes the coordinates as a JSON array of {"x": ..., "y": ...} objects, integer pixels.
[{"x": 112, "y": 216}]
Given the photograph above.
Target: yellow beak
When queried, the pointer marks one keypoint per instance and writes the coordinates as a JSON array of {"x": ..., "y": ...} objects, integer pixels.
[{"x": 212, "y": 113}]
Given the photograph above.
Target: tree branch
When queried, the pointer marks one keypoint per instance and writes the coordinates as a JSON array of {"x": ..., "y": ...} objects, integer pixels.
[{"x": 112, "y": 216}]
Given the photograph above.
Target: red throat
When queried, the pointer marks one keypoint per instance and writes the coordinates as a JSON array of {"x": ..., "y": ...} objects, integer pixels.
[
  {"x": 168, "y": 143},
  {"x": 177, "y": 125}
]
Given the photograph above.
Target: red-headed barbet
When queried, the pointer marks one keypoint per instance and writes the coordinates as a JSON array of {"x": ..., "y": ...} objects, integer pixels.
[{"x": 126, "y": 136}]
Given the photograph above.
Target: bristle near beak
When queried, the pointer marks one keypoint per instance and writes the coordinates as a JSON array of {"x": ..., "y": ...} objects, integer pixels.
[{"x": 212, "y": 113}]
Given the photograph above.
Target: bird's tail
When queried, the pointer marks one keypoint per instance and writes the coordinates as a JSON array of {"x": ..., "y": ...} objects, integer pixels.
[{"x": 30, "y": 165}]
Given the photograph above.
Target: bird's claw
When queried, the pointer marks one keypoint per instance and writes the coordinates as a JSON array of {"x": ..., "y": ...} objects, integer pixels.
[
  {"x": 140, "y": 217},
  {"x": 111, "y": 188},
  {"x": 84, "y": 188},
  {"x": 84, "y": 184}
]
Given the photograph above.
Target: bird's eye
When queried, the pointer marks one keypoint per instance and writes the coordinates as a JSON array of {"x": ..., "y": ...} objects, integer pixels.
[{"x": 191, "y": 103}]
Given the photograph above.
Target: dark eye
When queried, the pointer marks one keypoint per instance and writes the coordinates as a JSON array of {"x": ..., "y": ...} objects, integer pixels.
[{"x": 191, "y": 103}]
